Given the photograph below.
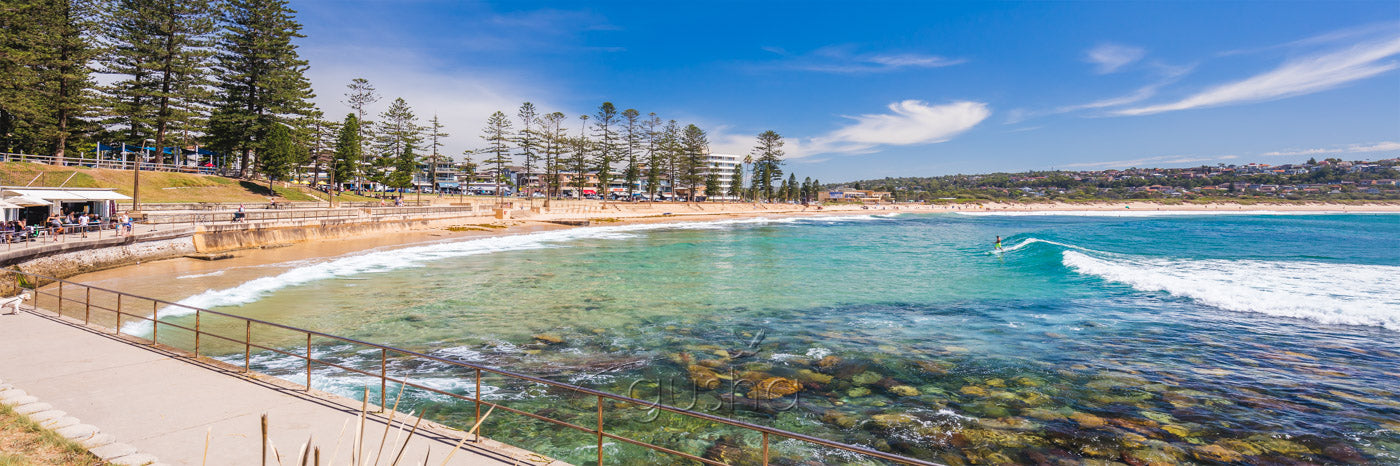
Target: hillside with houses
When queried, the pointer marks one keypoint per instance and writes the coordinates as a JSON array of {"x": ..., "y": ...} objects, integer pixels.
[{"x": 1329, "y": 179}]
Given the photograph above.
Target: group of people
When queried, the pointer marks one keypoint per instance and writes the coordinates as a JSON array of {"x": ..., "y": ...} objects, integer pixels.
[
  {"x": 55, "y": 225},
  {"x": 14, "y": 231}
]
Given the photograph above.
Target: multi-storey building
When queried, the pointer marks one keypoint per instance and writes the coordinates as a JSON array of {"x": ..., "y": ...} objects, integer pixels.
[{"x": 723, "y": 165}]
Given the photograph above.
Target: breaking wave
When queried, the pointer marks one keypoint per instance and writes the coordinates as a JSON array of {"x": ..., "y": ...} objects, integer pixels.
[{"x": 1349, "y": 294}]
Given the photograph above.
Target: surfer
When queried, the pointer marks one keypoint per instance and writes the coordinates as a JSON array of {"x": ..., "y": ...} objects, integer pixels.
[{"x": 998, "y": 247}]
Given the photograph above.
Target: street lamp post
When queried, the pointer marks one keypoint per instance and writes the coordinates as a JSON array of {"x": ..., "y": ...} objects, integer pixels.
[{"x": 136, "y": 177}]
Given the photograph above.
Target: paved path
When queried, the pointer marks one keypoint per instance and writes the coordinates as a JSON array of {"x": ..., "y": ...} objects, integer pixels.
[{"x": 163, "y": 403}]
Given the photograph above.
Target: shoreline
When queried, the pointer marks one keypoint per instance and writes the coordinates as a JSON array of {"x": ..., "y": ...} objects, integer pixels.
[{"x": 178, "y": 278}]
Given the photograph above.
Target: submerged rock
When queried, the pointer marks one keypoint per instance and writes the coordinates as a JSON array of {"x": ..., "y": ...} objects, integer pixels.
[
  {"x": 934, "y": 367},
  {"x": 858, "y": 392},
  {"x": 839, "y": 419},
  {"x": 808, "y": 375},
  {"x": 893, "y": 421},
  {"x": 775, "y": 387},
  {"x": 866, "y": 378},
  {"x": 549, "y": 339},
  {"x": 1215, "y": 452},
  {"x": 904, "y": 390},
  {"x": 704, "y": 377},
  {"x": 1087, "y": 421},
  {"x": 829, "y": 362},
  {"x": 974, "y": 391}
]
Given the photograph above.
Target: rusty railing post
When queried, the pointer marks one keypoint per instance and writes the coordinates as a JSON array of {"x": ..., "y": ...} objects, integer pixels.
[
  {"x": 87, "y": 306},
  {"x": 477, "y": 395},
  {"x": 196, "y": 333},
  {"x": 383, "y": 377},
  {"x": 60, "y": 299},
  {"x": 600, "y": 430},
  {"x": 308, "y": 361},
  {"x": 247, "y": 346},
  {"x": 155, "y": 322},
  {"x": 119, "y": 314},
  {"x": 765, "y": 448}
]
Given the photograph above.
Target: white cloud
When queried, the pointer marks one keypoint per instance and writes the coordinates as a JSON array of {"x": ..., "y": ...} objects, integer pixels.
[
  {"x": 1109, "y": 58},
  {"x": 845, "y": 59},
  {"x": 1350, "y": 149},
  {"x": 1297, "y": 77},
  {"x": 1144, "y": 162},
  {"x": 909, "y": 122}
]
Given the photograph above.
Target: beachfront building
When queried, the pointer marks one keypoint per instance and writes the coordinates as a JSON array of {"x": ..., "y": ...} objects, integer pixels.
[
  {"x": 446, "y": 177},
  {"x": 723, "y": 165},
  {"x": 37, "y": 204},
  {"x": 854, "y": 195},
  {"x": 577, "y": 184}
]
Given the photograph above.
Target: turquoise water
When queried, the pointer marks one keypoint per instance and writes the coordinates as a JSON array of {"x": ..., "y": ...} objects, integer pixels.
[{"x": 1209, "y": 339}]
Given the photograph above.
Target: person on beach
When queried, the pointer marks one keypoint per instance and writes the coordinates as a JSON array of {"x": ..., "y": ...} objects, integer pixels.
[
  {"x": 126, "y": 222},
  {"x": 83, "y": 225}
]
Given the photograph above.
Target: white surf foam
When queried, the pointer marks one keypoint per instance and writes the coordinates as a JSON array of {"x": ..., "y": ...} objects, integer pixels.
[
  {"x": 418, "y": 256},
  {"x": 1156, "y": 213},
  {"x": 1030, "y": 241},
  {"x": 1348, "y": 294},
  {"x": 198, "y": 275}
]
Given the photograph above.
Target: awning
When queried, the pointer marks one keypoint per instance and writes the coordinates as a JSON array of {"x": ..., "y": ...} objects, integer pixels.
[
  {"x": 590, "y": 191},
  {"x": 102, "y": 195},
  {"x": 66, "y": 195},
  {"x": 6, "y": 205},
  {"x": 25, "y": 201},
  {"x": 448, "y": 185}
]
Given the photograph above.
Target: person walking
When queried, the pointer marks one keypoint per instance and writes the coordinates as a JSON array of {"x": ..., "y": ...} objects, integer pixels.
[{"x": 83, "y": 225}]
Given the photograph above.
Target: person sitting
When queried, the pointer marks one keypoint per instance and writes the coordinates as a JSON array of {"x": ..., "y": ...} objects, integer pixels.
[{"x": 55, "y": 226}]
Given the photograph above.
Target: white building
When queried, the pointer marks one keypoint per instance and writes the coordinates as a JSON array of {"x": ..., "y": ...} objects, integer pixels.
[{"x": 724, "y": 165}]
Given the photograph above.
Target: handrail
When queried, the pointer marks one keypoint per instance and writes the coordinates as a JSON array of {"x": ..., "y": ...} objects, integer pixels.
[
  {"x": 119, "y": 164},
  {"x": 384, "y": 378}
]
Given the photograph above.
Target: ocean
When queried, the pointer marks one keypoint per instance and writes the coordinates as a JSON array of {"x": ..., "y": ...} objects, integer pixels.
[{"x": 1124, "y": 336}]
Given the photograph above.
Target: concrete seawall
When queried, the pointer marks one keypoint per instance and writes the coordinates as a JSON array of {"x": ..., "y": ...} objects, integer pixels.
[
  {"x": 228, "y": 237},
  {"x": 62, "y": 260}
]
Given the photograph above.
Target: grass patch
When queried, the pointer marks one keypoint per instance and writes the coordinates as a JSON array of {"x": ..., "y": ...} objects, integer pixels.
[
  {"x": 605, "y": 220},
  {"x": 25, "y": 442},
  {"x": 292, "y": 194},
  {"x": 460, "y": 228}
]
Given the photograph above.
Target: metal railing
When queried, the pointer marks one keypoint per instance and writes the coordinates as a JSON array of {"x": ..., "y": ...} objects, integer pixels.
[
  {"x": 88, "y": 160},
  {"x": 130, "y": 306},
  {"x": 250, "y": 215},
  {"x": 32, "y": 237},
  {"x": 418, "y": 210}
]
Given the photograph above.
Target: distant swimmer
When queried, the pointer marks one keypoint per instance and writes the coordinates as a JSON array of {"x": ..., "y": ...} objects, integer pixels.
[{"x": 999, "y": 242}]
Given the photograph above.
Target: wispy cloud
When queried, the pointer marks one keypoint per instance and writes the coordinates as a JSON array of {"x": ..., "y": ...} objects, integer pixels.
[
  {"x": 909, "y": 122},
  {"x": 846, "y": 59},
  {"x": 462, "y": 99},
  {"x": 1297, "y": 77},
  {"x": 1385, "y": 146},
  {"x": 1109, "y": 58},
  {"x": 1167, "y": 75},
  {"x": 1151, "y": 161}
]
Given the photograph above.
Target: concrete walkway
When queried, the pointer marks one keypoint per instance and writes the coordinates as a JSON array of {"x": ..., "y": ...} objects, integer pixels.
[{"x": 163, "y": 403}]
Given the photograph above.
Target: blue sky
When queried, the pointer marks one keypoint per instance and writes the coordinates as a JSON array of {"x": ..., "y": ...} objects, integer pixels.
[{"x": 874, "y": 89}]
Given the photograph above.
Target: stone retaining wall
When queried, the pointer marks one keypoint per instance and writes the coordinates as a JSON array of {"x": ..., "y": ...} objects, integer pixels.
[{"x": 228, "y": 237}]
